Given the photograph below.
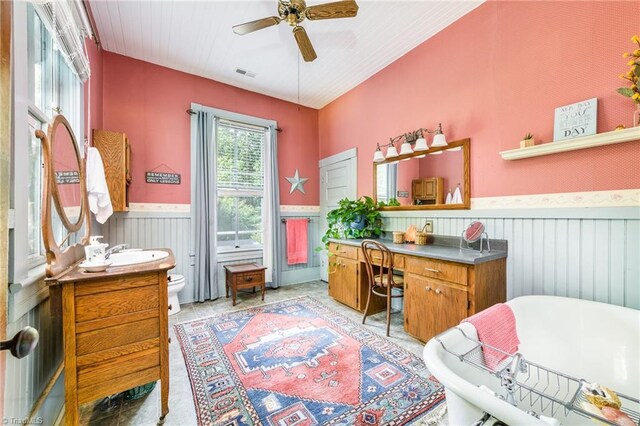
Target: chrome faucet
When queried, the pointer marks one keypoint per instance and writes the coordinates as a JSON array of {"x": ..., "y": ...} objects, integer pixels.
[{"x": 115, "y": 249}]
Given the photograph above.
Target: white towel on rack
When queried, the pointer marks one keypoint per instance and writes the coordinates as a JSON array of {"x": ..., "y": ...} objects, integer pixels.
[
  {"x": 457, "y": 196},
  {"x": 97, "y": 189},
  {"x": 449, "y": 197}
]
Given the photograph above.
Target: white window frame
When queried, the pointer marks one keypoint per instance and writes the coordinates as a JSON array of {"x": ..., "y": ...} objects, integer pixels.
[
  {"x": 27, "y": 288},
  {"x": 229, "y": 254}
]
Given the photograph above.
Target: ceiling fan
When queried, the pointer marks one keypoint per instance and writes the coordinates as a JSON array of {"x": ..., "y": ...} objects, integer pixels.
[{"x": 294, "y": 12}]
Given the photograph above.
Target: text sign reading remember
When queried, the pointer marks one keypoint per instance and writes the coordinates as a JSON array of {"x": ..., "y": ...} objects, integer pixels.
[
  {"x": 576, "y": 120},
  {"x": 160, "y": 177},
  {"x": 66, "y": 178}
]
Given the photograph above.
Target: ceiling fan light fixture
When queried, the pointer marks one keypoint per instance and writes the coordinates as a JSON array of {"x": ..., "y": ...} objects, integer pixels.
[{"x": 293, "y": 12}]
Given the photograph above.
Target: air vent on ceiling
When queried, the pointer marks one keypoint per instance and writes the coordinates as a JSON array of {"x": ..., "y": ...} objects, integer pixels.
[{"x": 245, "y": 72}]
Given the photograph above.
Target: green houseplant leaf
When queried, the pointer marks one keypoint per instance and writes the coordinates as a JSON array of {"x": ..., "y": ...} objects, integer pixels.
[{"x": 347, "y": 220}]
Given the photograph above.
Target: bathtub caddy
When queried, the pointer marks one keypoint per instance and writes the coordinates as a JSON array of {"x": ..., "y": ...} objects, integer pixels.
[{"x": 564, "y": 343}]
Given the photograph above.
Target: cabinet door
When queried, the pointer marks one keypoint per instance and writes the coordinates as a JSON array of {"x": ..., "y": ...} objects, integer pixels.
[
  {"x": 343, "y": 281},
  {"x": 432, "y": 306},
  {"x": 429, "y": 188},
  {"x": 417, "y": 189}
]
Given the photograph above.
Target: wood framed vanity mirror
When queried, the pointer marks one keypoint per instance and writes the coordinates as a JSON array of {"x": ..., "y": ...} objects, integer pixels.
[
  {"x": 64, "y": 187},
  {"x": 422, "y": 180}
]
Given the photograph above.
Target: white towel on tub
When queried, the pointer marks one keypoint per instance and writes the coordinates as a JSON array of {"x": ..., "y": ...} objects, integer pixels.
[{"x": 97, "y": 189}]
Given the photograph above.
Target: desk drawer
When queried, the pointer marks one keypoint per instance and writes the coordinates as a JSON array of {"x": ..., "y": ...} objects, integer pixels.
[
  {"x": 249, "y": 279},
  {"x": 376, "y": 256},
  {"x": 344, "y": 250},
  {"x": 446, "y": 271}
]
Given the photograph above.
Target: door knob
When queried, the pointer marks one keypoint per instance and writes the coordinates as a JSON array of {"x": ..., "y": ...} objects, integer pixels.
[{"x": 22, "y": 344}]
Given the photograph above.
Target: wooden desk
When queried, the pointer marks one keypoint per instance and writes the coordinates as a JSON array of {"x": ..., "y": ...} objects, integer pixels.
[
  {"x": 438, "y": 294},
  {"x": 247, "y": 275}
]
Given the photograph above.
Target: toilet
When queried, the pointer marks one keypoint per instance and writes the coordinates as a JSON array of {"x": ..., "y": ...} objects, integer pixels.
[{"x": 176, "y": 283}]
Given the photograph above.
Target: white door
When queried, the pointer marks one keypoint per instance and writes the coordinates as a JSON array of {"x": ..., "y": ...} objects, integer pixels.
[{"x": 338, "y": 179}]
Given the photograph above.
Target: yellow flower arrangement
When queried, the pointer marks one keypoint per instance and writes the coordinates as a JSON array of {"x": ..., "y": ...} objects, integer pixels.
[{"x": 633, "y": 75}]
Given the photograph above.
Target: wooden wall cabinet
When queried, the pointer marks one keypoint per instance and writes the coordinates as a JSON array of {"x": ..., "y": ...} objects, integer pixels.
[
  {"x": 116, "y": 157},
  {"x": 428, "y": 190}
]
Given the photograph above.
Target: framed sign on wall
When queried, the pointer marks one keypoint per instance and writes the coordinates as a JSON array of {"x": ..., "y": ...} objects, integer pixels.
[{"x": 576, "y": 120}]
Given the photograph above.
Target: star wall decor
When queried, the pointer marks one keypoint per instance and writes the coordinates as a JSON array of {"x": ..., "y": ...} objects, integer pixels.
[{"x": 296, "y": 182}]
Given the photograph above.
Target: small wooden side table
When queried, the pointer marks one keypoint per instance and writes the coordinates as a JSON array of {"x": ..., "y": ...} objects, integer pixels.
[{"x": 246, "y": 275}]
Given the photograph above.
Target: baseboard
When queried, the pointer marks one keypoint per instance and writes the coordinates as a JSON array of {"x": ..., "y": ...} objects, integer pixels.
[{"x": 297, "y": 276}]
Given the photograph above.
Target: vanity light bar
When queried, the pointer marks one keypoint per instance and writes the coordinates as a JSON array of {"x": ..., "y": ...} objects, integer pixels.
[{"x": 415, "y": 138}]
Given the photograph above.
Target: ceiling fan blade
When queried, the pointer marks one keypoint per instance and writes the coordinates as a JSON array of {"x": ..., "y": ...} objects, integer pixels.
[
  {"x": 304, "y": 44},
  {"x": 339, "y": 9},
  {"x": 249, "y": 27}
]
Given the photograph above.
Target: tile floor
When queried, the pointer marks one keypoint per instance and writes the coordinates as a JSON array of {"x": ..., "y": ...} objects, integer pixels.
[{"x": 145, "y": 411}]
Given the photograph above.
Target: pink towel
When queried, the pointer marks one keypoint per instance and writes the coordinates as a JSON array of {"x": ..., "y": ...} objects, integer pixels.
[
  {"x": 296, "y": 241},
  {"x": 496, "y": 327}
]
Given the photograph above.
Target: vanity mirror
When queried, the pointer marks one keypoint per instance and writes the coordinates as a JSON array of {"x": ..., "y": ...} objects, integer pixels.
[
  {"x": 64, "y": 187},
  {"x": 423, "y": 180}
]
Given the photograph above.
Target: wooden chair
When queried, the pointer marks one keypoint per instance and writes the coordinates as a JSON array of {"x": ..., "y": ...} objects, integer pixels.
[{"x": 378, "y": 258}]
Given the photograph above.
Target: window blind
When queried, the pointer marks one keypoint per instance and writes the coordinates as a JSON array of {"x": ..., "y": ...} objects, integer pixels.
[
  {"x": 69, "y": 25},
  {"x": 240, "y": 156}
]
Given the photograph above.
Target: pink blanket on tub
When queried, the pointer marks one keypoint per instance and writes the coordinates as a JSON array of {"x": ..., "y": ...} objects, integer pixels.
[{"x": 496, "y": 327}]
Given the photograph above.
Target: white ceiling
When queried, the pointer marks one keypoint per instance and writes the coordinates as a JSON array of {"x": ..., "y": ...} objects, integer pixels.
[{"x": 196, "y": 37}]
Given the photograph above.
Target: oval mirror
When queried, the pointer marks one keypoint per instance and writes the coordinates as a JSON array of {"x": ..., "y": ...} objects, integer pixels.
[
  {"x": 66, "y": 174},
  {"x": 473, "y": 232}
]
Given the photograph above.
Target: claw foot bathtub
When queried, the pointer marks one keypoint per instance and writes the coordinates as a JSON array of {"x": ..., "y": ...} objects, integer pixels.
[{"x": 583, "y": 339}]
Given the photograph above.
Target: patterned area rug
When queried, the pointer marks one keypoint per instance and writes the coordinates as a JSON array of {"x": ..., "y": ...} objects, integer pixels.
[{"x": 297, "y": 363}]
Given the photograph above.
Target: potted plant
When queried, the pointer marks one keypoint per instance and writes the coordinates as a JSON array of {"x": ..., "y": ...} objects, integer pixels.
[
  {"x": 353, "y": 219},
  {"x": 633, "y": 78},
  {"x": 527, "y": 141}
]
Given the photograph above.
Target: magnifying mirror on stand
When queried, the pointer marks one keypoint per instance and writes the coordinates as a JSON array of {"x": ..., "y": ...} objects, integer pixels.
[{"x": 474, "y": 232}]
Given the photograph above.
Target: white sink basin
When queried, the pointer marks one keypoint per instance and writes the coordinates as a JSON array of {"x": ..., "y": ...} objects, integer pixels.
[{"x": 136, "y": 257}]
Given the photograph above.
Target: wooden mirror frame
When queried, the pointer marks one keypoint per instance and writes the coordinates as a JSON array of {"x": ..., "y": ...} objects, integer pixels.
[
  {"x": 59, "y": 260},
  {"x": 466, "y": 204}
]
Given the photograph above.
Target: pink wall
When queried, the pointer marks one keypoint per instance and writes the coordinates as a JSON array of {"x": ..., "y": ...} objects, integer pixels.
[
  {"x": 148, "y": 103},
  {"x": 494, "y": 75},
  {"x": 93, "y": 90}
]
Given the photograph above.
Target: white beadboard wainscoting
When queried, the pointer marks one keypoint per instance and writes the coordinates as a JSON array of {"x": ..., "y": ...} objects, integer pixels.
[
  {"x": 172, "y": 229},
  {"x": 586, "y": 253}
]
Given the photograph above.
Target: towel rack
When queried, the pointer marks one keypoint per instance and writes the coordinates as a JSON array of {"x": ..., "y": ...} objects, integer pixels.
[{"x": 284, "y": 220}]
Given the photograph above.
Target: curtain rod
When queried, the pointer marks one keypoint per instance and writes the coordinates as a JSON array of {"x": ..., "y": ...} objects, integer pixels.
[{"x": 192, "y": 112}]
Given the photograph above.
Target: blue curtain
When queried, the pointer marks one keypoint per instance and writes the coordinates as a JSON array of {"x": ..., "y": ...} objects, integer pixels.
[
  {"x": 203, "y": 209},
  {"x": 271, "y": 256}
]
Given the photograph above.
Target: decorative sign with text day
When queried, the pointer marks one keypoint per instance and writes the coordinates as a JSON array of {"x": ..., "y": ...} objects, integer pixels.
[{"x": 576, "y": 120}]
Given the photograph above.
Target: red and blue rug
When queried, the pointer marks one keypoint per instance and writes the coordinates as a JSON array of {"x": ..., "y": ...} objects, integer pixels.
[{"x": 297, "y": 363}]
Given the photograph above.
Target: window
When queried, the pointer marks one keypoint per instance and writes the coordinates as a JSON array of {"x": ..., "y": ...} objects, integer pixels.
[
  {"x": 386, "y": 181},
  {"x": 240, "y": 181},
  {"x": 53, "y": 88}
]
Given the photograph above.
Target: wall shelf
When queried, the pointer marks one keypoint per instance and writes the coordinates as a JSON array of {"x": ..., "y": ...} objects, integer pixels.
[{"x": 608, "y": 138}]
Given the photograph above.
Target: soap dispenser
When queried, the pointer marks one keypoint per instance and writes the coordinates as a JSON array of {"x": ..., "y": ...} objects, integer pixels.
[{"x": 95, "y": 252}]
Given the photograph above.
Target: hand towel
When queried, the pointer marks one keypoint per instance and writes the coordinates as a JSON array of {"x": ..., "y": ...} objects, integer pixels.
[
  {"x": 97, "y": 189},
  {"x": 449, "y": 198},
  {"x": 297, "y": 241},
  {"x": 457, "y": 196},
  {"x": 496, "y": 326}
]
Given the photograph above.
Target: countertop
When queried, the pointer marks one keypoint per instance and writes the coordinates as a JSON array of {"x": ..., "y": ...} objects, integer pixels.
[
  {"x": 442, "y": 248},
  {"x": 76, "y": 273}
]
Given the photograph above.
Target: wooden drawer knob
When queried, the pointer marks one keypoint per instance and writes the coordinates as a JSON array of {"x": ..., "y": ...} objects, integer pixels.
[{"x": 248, "y": 279}]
